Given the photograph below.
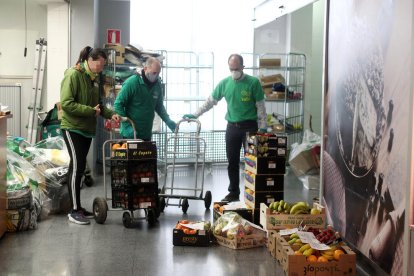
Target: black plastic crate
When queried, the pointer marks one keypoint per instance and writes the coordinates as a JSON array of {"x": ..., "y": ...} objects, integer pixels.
[{"x": 120, "y": 198}]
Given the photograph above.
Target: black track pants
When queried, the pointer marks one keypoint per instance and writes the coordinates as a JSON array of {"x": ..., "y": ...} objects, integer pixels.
[{"x": 78, "y": 148}]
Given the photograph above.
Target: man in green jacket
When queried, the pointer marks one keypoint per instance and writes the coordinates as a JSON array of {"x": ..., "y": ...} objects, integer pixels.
[{"x": 140, "y": 96}]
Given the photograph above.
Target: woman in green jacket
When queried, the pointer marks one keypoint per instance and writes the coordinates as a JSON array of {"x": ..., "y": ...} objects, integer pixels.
[{"x": 79, "y": 97}]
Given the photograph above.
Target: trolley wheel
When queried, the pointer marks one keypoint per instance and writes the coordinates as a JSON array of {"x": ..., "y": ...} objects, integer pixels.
[
  {"x": 161, "y": 204},
  {"x": 100, "y": 209},
  {"x": 88, "y": 180},
  {"x": 151, "y": 216},
  {"x": 127, "y": 220},
  {"x": 185, "y": 205},
  {"x": 207, "y": 199}
]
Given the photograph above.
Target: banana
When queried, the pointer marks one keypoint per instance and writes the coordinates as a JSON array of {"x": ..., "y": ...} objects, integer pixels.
[
  {"x": 285, "y": 206},
  {"x": 329, "y": 257},
  {"x": 292, "y": 241},
  {"x": 294, "y": 235},
  {"x": 298, "y": 241},
  {"x": 296, "y": 208},
  {"x": 276, "y": 205},
  {"x": 302, "y": 211},
  {"x": 304, "y": 247},
  {"x": 308, "y": 252}
]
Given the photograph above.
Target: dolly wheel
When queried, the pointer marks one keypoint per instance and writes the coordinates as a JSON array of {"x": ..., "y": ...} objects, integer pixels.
[
  {"x": 127, "y": 220},
  {"x": 161, "y": 205},
  {"x": 207, "y": 200},
  {"x": 185, "y": 205},
  {"x": 100, "y": 209}
]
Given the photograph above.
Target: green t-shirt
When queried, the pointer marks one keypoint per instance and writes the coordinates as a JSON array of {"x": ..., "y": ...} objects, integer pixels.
[{"x": 241, "y": 97}]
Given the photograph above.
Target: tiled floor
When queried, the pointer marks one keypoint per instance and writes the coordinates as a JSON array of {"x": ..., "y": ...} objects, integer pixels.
[{"x": 58, "y": 247}]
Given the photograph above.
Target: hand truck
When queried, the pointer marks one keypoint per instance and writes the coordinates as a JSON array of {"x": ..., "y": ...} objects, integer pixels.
[
  {"x": 184, "y": 149},
  {"x": 134, "y": 180}
]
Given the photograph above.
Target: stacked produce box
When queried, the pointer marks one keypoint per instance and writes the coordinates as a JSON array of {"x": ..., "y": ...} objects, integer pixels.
[
  {"x": 265, "y": 166},
  {"x": 134, "y": 180}
]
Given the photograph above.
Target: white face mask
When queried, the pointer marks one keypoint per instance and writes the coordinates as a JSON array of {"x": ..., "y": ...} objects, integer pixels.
[
  {"x": 236, "y": 75},
  {"x": 151, "y": 77}
]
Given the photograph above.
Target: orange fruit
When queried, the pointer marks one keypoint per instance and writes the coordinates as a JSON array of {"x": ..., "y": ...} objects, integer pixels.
[
  {"x": 312, "y": 258},
  {"x": 192, "y": 231},
  {"x": 186, "y": 231},
  {"x": 221, "y": 209},
  {"x": 116, "y": 146},
  {"x": 124, "y": 146},
  {"x": 184, "y": 221},
  {"x": 337, "y": 254},
  {"x": 216, "y": 206},
  {"x": 322, "y": 259}
]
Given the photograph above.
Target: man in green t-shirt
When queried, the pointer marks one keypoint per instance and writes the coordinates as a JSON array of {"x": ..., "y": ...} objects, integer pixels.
[{"x": 245, "y": 112}]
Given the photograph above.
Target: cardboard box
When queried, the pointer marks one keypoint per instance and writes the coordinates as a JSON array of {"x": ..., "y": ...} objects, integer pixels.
[
  {"x": 244, "y": 212},
  {"x": 265, "y": 165},
  {"x": 305, "y": 161},
  {"x": 298, "y": 265},
  {"x": 275, "y": 96},
  {"x": 119, "y": 53},
  {"x": 269, "y": 62},
  {"x": 59, "y": 110},
  {"x": 263, "y": 182},
  {"x": 202, "y": 238},
  {"x": 271, "y": 79},
  {"x": 274, "y": 221},
  {"x": 248, "y": 241},
  {"x": 266, "y": 140},
  {"x": 254, "y": 201},
  {"x": 271, "y": 242}
]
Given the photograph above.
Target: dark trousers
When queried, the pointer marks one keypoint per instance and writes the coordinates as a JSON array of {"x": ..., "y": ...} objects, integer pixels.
[
  {"x": 235, "y": 139},
  {"x": 78, "y": 147}
]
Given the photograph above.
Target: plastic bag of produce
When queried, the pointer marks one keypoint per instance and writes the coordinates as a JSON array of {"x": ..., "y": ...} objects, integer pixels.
[{"x": 233, "y": 231}]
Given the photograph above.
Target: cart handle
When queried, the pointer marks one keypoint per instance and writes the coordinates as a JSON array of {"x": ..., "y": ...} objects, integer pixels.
[
  {"x": 126, "y": 119},
  {"x": 188, "y": 120}
]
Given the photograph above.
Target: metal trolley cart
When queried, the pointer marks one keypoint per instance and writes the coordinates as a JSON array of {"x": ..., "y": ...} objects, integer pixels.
[
  {"x": 184, "y": 149},
  {"x": 134, "y": 180}
]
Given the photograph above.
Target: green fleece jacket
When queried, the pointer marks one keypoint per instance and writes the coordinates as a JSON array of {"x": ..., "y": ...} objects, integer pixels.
[
  {"x": 138, "y": 102},
  {"x": 78, "y": 96}
]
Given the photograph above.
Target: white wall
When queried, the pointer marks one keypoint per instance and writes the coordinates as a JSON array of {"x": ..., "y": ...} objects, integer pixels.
[
  {"x": 57, "y": 50},
  {"x": 14, "y": 67},
  {"x": 82, "y": 27}
]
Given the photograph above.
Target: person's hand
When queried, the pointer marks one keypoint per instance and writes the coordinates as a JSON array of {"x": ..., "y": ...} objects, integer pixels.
[
  {"x": 189, "y": 116},
  {"x": 116, "y": 118},
  {"x": 171, "y": 125},
  {"x": 97, "y": 110}
]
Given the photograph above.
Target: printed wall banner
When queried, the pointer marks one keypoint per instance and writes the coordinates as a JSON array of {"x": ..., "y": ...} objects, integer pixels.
[{"x": 366, "y": 125}]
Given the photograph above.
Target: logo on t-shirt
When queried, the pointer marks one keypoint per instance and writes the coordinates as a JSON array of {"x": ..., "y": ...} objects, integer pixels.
[{"x": 246, "y": 96}]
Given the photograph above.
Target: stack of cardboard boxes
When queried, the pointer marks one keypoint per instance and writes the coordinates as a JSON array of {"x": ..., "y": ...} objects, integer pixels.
[{"x": 265, "y": 166}]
